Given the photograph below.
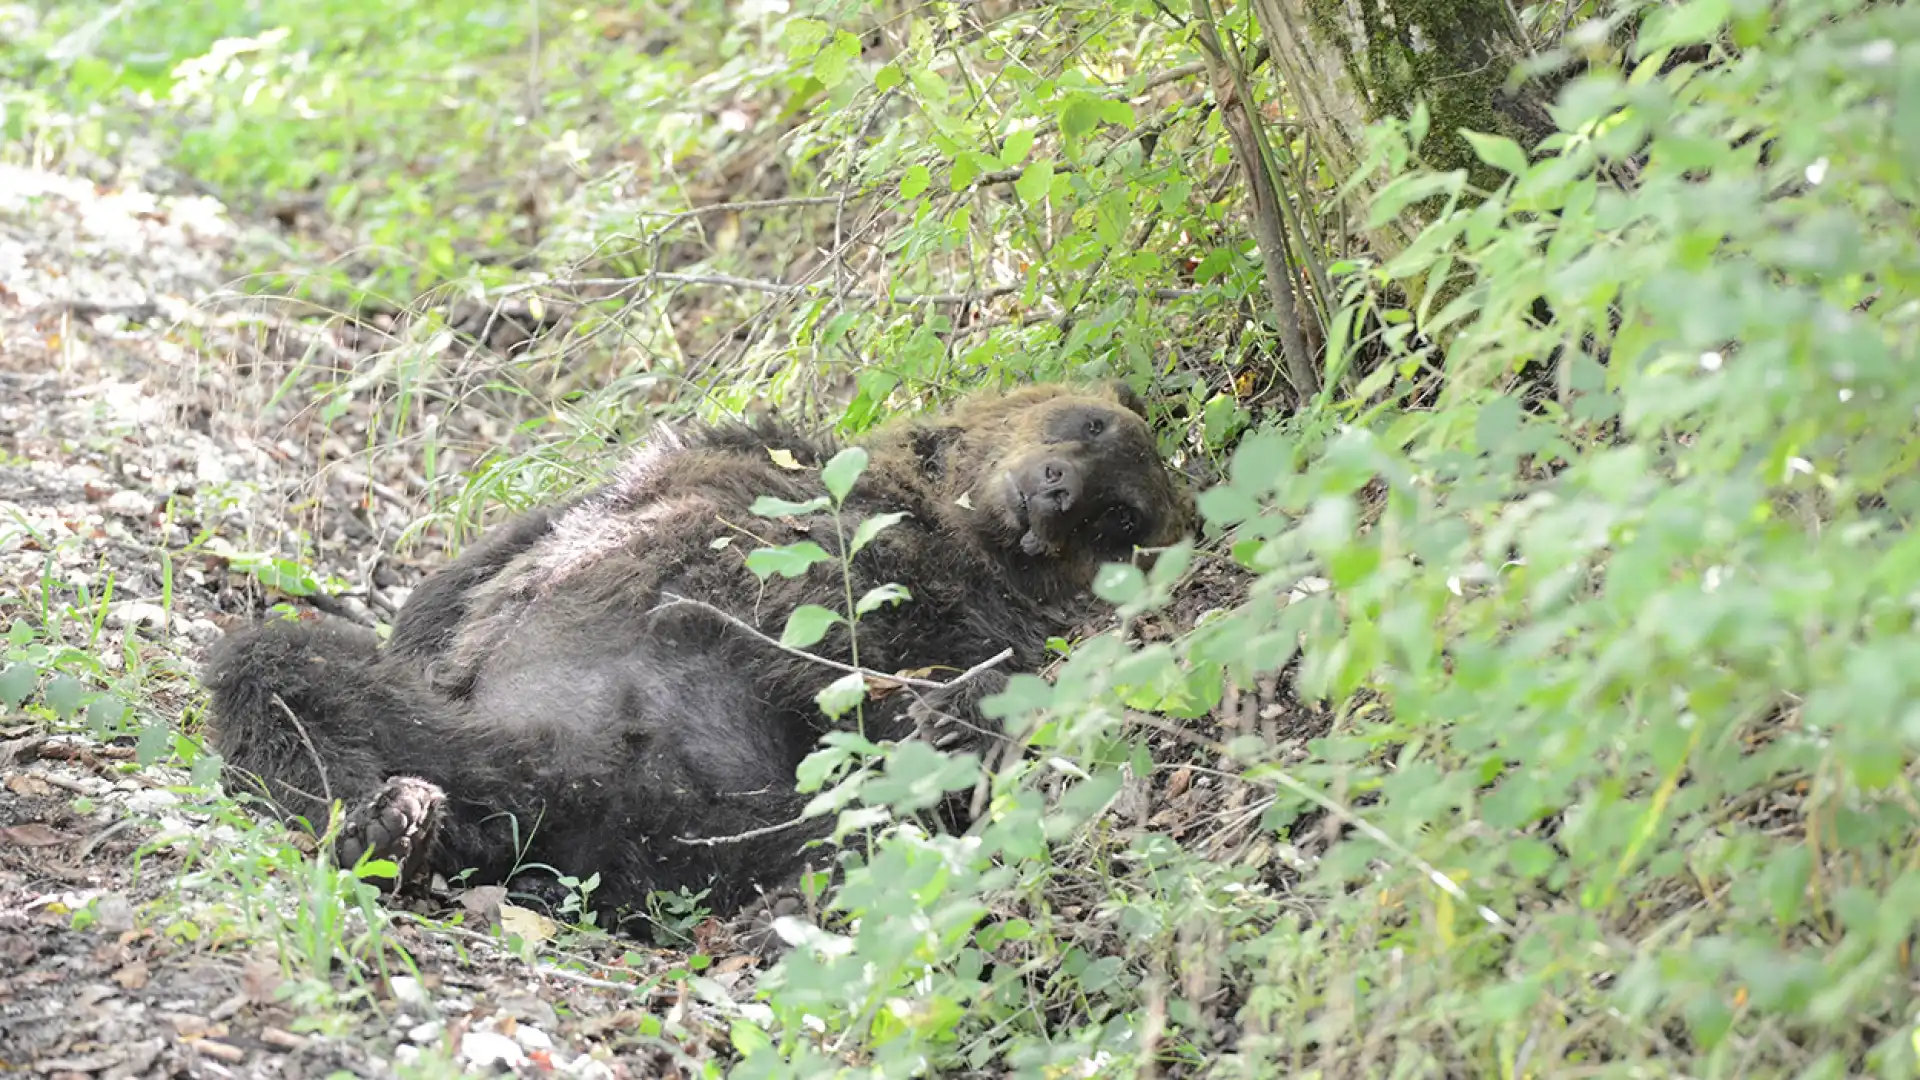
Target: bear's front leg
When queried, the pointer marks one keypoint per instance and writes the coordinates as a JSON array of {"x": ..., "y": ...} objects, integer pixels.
[
  {"x": 950, "y": 717},
  {"x": 399, "y": 821}
]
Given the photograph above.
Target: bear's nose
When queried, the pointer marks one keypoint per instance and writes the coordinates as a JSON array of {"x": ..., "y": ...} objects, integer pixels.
[{"x": 1056, "y": 480}]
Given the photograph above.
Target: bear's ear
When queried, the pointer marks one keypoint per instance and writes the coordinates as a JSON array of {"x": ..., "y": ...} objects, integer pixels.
[{"x": 1129, "y": 398}]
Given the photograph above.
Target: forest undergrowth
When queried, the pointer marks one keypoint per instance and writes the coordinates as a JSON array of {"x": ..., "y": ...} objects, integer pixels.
[{"x": 1537, "y": 700}]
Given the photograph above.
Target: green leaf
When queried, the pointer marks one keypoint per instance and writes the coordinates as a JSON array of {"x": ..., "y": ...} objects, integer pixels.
[
  {"x": 914, "y": 181},
  {"x": 807, "y": 625},
  {"x": 803, "y": 37},
  {"x": 918, "y": 775},
  {"x": 105, "y": 715},
  {"x": 155, "y": 740},
  {"x": 842, "y": 694},
  {"x": 965, "y": 168},
  {"x": 1035, "y": 181},
  {"x": 1024, "y": 694},
  {"x": 770, "y": 507},
  {"x": 16, "y": 682},
  {"x": 748, "y": 1039},
  {"x": 872, "y": 527},
  {"x": 1498, "y": 151},
  {"x": 884, "y": 594},
  {"x": 1119, "y": 583},
  {"x": 1690, "y": 23},
  {"x": 1114, "y": 111},
  {"x": 840, "y": 473},
  {"x": 834, "y": 61},
  {"x": 888, "y": 77},
  {"x": 1079, "y": 115},
  {"x": 1227, "y": 505},
  {"x": 1016, "y": 148},
  {"x": 789, "y": 562},
  {"x": 63, "y": 696}
]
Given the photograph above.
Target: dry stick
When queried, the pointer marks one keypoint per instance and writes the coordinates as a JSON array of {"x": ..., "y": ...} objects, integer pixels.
[
  {"x": 675, "y": 600},
  {"x": 319, "y": 764},
  {"x": 1269, "y": 231},
  {"x": 785, "y": 288}
]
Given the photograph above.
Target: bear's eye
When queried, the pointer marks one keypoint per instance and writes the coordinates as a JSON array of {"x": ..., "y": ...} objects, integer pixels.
[{"x": 1095, "y": 426}]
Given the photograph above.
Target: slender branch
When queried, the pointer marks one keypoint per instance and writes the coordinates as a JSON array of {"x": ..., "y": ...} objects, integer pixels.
[
  {"x": 676, "y": 600},
  {"x": 669, "y": 218},
  {"x": 785, "y": 288},
  {"x": 319, "y": 763},
  {"x": 736, "y": 838}
]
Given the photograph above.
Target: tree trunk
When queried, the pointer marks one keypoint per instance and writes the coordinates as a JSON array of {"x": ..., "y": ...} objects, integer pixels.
[{"x": 1348, "y": 62}]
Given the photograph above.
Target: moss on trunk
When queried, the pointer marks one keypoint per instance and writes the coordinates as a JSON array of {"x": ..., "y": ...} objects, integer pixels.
[{"x": 1453, "y": 54}]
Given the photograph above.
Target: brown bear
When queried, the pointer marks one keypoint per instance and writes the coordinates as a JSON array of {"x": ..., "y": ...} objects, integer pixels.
[{"x": 546, "y": 700}]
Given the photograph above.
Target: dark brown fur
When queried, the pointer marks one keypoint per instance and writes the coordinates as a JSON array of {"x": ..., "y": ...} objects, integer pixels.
[{"x": 542, "y": 678}]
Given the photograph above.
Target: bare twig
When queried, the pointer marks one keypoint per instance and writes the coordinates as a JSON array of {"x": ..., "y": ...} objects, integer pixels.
[
  {"x": 670, "y": 218},
  {"x": 784, "y": 288},
  {"x": 676, "y": 600},
  {"x": 319, "y": 763},
  {"x": 750, "y": 834}
]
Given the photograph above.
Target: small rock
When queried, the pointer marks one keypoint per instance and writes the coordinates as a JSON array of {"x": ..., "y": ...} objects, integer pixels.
[
  {"x": 487, "y": 1049},
  {"x": 532, "y": 1038},
  {"x": 131, "y": 504},
  {"x": 529, "y": 1008},
  {"x": 151, "y": 800},
  {"x": 427, "y": 1033},
  {"x": 113, "y": 913},
  {"x": 456, "y": 1006},
  {"x": 408, "y": 991},
  {"x": 129, "y": 614}
]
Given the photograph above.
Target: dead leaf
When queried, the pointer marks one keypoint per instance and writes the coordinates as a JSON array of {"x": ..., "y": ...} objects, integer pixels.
[
  {"x": 133, "y": 976},
  {"x": 483, "y": 902},
  {"x": 735, "y": 963},
  {"x": 28, "y": 784},
  {"x": 784, "y": 458},
  {"x": 530, "y": 925},
  {"x": 1177, "y": 784},
  {"x": 261, "y": 981},
  {"x": 32, "y": 834}
]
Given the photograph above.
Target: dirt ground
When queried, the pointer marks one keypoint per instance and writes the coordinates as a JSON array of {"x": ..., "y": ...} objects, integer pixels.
[{"x": 149, "y": 448}]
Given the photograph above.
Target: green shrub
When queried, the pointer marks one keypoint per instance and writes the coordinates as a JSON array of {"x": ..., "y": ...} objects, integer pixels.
[{"x": 1621, "y": 655}]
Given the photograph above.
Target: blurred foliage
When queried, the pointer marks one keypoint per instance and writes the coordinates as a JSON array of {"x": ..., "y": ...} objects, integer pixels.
[{"x": 1593, "y": 550}]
